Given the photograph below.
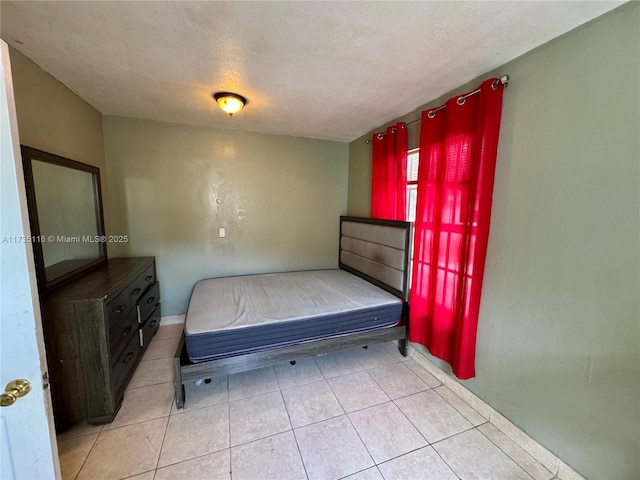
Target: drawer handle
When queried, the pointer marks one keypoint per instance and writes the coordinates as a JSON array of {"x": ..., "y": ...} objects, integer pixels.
[
  {"x": 148, "y": 277},
  {"x": 153, "y": 323},
  {"x": 128, "y": 358},
  {"x": 126, "y": 331},
  {"x": 151, "y": 300},
  {"x": 136, "y": 291},
  {"x": 120, "y": 308}
]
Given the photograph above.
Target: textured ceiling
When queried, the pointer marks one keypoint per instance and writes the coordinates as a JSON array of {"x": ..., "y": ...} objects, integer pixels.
[{"x": 331, "y": 70}]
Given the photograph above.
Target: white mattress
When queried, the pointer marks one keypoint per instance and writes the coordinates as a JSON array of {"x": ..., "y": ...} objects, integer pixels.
[{"x": 239, "y": 302}]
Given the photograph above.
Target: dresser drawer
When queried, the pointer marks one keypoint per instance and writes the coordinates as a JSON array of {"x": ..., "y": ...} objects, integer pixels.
[
  {"x": 149, "y": 328},
  {"x": 118, "y": 308},
  {"x": 140, "y": 285},
  {"x": 148, "y": 302},
  {"x": 121, "y": 329},
  {"x": 127, "y": 360}
]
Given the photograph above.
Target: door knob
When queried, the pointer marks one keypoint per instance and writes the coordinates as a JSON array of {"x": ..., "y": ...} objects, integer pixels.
[{"x": 13, "y": 391}]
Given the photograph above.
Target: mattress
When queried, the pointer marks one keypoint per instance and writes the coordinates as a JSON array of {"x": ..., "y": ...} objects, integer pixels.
[{"x": 238, "y": 315}]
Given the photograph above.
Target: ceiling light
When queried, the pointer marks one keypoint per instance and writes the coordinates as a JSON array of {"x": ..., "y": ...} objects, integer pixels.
[{"x": 230, "y": 102}]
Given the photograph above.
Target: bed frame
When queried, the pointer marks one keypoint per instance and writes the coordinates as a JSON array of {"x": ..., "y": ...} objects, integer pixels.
[{"x": 375, "y": 250}]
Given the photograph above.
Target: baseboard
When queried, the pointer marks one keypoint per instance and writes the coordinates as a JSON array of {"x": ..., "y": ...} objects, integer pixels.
[
  {"x": 550, "y": 461},
  {"x": 171, "y": 319}
]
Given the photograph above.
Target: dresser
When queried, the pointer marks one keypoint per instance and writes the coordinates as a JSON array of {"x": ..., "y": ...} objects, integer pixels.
[{"x": 96, "y": 329}]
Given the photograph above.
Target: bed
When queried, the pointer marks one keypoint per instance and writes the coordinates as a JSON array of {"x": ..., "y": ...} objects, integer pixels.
[{"x": 234, "y": 324}]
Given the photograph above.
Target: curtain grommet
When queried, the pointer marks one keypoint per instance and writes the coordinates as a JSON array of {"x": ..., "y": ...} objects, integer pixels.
[
  {"x": 380, "y": 136},
  {"x": 431, "y": 114},
  {"x": 460, "y": 100}
]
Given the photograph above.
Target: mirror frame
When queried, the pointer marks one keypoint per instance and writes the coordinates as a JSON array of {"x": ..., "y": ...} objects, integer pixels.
[{"x": 29, "y": 154}]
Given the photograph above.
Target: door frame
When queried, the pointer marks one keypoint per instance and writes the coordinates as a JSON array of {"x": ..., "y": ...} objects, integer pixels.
[{"x": 26, "y": 434}]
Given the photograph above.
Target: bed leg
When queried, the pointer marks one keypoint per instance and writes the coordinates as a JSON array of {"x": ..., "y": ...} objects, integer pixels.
[
  {"x": 177, "y": 382},
  {"x": 403, "y": 342},
  {"x": 179, "y": 388},
  {"x": 402, "y": 346}
]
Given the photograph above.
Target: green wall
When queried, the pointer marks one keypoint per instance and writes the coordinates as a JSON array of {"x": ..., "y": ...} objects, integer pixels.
[
  {"x": 173, "y": 186},
  {"x": 54, "y": 119},
  {"x": 557, "y": 349}
]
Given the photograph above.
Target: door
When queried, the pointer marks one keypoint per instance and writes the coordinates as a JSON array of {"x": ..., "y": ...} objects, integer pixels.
[{"x": 28, "y": 448}]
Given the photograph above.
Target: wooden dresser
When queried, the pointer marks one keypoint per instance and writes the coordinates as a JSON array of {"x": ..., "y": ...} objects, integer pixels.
[{"x": 96, "y": 329}]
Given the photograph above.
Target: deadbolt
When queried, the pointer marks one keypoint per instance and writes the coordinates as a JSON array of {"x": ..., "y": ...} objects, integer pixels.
[{"x": 13, "y": 391}]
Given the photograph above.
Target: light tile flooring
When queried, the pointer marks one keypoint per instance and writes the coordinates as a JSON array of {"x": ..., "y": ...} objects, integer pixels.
[{"x": 365, "y": 414}]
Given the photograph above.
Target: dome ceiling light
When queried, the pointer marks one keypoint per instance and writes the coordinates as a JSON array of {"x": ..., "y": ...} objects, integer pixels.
[{"x": 230, "y": 103}]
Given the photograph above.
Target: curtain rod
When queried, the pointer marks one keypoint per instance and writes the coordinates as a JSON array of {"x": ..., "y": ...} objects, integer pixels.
[{"x": 504, "y": 80}]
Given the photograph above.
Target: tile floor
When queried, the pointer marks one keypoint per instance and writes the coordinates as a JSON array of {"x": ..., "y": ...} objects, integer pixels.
[{"x": 365, "y": 414}]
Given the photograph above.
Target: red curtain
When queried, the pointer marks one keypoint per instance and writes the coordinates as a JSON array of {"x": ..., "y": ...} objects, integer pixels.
[
  {"x": 458, "y": 147},
  {"x": 389, "y": 173}
]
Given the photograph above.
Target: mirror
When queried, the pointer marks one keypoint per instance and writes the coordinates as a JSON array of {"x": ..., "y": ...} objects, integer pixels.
[{"x": 65, "y": 213}]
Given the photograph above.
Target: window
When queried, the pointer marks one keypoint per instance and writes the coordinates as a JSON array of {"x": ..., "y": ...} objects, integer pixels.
[
  {"x": 412, "y": 183},
  {"x": 452, "y": 226}
]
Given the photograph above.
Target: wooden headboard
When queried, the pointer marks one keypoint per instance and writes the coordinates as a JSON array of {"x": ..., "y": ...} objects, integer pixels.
[{"x": 378, "y": 251}]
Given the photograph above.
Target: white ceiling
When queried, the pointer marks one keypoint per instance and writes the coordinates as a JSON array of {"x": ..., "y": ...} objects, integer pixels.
[{"x": 331, "y": 70}]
